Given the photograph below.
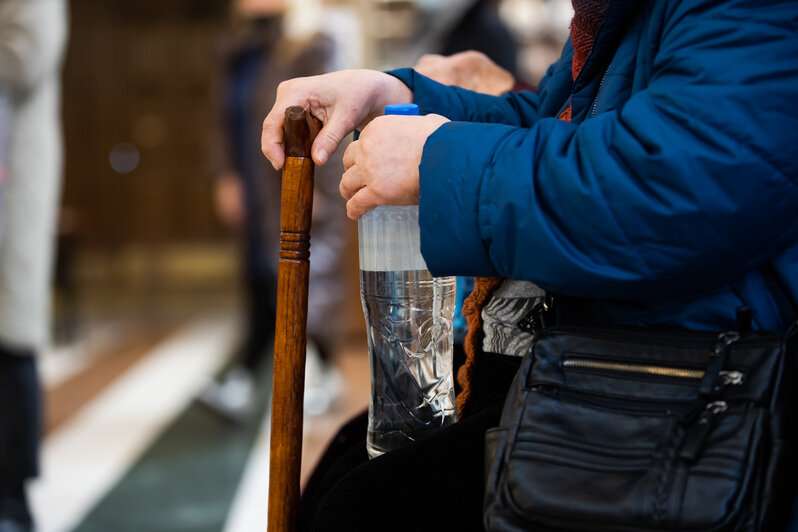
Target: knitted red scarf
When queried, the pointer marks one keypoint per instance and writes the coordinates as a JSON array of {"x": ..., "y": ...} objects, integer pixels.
[{"x": 588, "y": 15}]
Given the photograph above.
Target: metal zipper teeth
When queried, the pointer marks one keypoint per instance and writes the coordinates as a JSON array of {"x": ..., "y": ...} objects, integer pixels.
[
  {"x": 643, "y": 369},
  {"x": 601, "y": 84}
]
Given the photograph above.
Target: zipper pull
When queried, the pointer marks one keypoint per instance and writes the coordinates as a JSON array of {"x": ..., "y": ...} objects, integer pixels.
[
  {"x": 717, "y": 359},
  {"x": 695, "y": 439},
  {"x": 731, "y": 377}
]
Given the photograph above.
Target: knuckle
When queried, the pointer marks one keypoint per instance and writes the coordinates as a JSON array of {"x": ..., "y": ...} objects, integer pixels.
[{"x": 284, "y": 85}]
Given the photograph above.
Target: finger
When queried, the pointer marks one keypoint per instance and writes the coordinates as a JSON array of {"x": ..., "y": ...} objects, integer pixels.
[
  {"x": 360, "y": 203},
  {"x": 351, "y": 154},
  {"x": 351, "y": 182},
  {"x": 271, "y": 141}
]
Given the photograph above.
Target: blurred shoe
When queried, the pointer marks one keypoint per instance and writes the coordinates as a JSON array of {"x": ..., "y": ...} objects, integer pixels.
[
  {"x": 233, "y": 396},
  {"x": 323, "y": 382}
]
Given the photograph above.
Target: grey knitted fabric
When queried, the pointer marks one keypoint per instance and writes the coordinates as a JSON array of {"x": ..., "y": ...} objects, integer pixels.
[{"x": 510, "y": 306}]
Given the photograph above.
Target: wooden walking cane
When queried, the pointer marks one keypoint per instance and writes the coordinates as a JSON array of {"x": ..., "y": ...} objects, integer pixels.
[{"x": 292, "y": 312}]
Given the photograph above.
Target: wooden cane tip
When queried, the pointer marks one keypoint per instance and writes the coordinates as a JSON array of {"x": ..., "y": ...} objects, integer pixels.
[
  {"x": 295, "y": 113},
  {"x": 297, "y": 132}
]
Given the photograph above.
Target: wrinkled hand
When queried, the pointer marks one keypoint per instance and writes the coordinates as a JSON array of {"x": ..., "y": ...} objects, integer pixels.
[
  {"x": 470, "y": 70},
  {"x": 342, "y": 100},
  {"x": 382, "y": 166}
]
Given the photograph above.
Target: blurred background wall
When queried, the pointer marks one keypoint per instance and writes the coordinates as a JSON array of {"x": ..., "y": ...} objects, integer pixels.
[{"x": 137, "y": 207}]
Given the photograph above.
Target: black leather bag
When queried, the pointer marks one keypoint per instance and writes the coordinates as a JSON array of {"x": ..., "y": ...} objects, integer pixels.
[{"x": 633, "y": 430}]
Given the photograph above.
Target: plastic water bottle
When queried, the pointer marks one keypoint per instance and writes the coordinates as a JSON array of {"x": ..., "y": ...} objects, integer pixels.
[{"x": 409, "y": 322}]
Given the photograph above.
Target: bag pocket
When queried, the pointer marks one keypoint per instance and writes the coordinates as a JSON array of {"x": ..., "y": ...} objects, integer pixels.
[{"x": 583, "y": 462}]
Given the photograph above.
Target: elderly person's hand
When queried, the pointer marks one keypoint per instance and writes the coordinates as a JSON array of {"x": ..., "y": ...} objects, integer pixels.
[
  {"x": 343, "y": 101},
  {"x": 382, "y": 166},
  {"x": 470, "y": 70}
]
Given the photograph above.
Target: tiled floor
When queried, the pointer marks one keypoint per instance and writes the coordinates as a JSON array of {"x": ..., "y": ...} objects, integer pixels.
[{"x": 128, "y": 448}]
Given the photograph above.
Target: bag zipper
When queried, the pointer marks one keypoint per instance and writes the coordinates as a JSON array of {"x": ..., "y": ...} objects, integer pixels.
[
  {"x": 639, "y": 369},
  {"x": 699, "y": 429},
  {"x": 732, "y": 377}
]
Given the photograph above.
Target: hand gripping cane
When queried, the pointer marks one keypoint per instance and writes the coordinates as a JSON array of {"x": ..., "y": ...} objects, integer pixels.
[{"x": 292, "y": 312}]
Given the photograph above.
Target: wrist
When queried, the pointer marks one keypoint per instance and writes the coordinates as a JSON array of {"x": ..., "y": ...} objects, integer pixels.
[
  {"x": 399, "y": 92},
  {"x": 390, "y": 90}
]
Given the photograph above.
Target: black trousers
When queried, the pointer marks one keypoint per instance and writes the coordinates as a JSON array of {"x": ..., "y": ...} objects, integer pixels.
[
  {"x": 432, "y": 484},
  {"x": 20, "y": 430}
]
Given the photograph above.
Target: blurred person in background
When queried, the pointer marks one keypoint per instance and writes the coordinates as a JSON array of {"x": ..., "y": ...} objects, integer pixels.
[
  {"x": 481, "y": 29},
  {"x": 255, "y": 57},
  {"x": 32, "y": 39}
]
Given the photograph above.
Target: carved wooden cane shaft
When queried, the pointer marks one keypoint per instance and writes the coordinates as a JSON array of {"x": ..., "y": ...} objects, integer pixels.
[{"x": 292, "y": 310}]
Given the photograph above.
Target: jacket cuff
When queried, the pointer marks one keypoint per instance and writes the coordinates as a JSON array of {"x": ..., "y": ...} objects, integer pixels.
[
  {"x": 453, "y": 216},
  {"x": 405, "y": 75},
  {"x": 428, "y": 94}
]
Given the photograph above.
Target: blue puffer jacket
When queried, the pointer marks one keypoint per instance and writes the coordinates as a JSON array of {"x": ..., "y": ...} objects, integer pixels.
[{"x": 672, "y": 196}]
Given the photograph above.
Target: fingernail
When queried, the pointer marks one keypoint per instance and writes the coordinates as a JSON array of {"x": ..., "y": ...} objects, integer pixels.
[{"x": 322, "y": 156}]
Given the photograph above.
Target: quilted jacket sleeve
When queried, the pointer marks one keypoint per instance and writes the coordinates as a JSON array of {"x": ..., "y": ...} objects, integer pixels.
[{"x": 686, "y": 186}]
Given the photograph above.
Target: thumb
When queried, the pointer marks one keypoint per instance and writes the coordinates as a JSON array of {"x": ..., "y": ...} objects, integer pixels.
[{"x": 327, "y": 140}]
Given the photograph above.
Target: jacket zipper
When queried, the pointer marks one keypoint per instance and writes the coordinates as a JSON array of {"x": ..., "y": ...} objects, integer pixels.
[
  {"x": 732, "y": 377},
  {"x": 601, "y": 84}
]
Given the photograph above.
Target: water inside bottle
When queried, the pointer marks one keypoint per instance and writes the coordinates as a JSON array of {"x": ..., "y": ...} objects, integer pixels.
[{"x": 409, "y": 321}]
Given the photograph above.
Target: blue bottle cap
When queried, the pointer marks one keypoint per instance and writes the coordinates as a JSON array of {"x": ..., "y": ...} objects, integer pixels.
[{"x": 408, "y": 109}]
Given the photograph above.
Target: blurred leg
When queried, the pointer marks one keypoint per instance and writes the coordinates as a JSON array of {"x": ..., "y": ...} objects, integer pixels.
[
  {"x": 344, "y": 453},
  {"x": 261, "y": 295},
  {"x": 20, "y": 427}
]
